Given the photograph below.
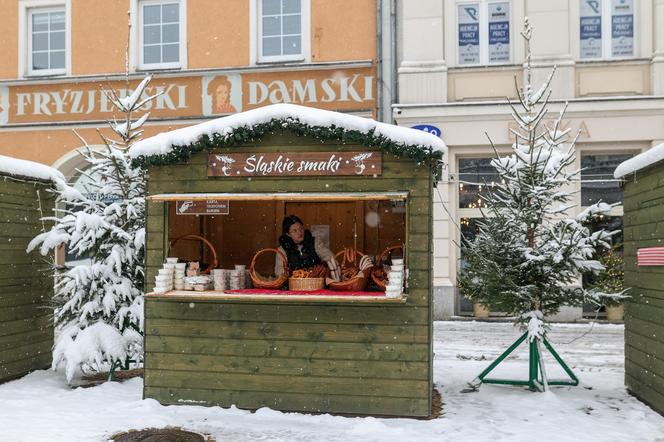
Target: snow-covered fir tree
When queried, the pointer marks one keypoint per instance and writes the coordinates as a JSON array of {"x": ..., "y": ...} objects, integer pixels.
[
  {"x": 529, "y": 253},
  {"x": 99, "y": 300}
]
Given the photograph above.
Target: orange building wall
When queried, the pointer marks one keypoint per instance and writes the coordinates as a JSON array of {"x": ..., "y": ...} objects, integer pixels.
[
  {"x": 48, "y": 145},
  {"x": 343, "y": 30},
  {"x": 218, "y": 37},
  {"x": 9, "y": 39},
  {"x": 99, "y": 39}
]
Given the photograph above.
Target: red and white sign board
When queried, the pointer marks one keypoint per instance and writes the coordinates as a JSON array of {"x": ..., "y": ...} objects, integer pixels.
[{"x": 650, "y": 256}]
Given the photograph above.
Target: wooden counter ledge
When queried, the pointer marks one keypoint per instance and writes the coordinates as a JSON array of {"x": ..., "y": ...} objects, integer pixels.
[{"x": 182, "y": 295}]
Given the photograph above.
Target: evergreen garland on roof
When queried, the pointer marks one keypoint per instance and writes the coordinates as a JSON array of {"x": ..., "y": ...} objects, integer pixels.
[{"x": 251, "y": 134}]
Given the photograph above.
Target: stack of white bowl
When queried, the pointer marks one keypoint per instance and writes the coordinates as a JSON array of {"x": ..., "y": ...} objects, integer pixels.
[
  {"x": 220, "y": 279},
  {"x": 178, "y": 275},
  {"x": 164, "y": 280},
  {"x": 394, "y": 288},
  {"x": 236, "y": 280}
]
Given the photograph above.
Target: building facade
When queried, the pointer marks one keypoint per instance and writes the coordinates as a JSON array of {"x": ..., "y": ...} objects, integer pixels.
[
  {"x": 208, "y": 58},
  {"x": 609, "y": 58}
]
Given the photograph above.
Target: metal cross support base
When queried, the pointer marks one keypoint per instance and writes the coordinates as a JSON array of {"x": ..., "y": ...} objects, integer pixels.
[
  {"x": 537, "y": 379},
  {"x": 119, "y": 364}
]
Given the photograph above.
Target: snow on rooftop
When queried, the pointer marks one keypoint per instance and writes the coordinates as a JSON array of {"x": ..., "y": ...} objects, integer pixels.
[
  {"x": 641, "y": 161},
  {"x": 162, "y": 143},
  {"x": 28, "y": 169}
]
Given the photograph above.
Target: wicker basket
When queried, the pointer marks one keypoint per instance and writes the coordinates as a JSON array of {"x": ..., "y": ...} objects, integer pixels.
[
  {"x": 378, "y": 275},
  {"x": 356, "y": 284},
  {"x": 256, "y": 278},
  {"x": 305, "y": 284},
  {"x": 215, "y": 262}
]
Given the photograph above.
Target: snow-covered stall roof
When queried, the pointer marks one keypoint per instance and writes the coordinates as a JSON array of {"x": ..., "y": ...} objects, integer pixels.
[
  {"x": 641, "y": 161},
  {"x": 28, "y": 169},
  {"x": 181, "y": 143}
]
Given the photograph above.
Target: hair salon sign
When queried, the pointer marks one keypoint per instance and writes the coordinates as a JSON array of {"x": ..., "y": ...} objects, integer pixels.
[{"x": 294, "y": 164}]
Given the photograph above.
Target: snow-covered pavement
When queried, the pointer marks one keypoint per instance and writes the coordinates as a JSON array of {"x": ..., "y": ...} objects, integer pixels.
[{"x": 40, "y": 406}]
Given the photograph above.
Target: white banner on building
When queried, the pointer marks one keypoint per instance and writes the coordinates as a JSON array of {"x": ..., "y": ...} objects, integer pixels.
[
  {"x": 622, "y": 28},
  {"x": 591, "y": 29},
  {"x": 469, "y": 33},
  {"x": 499, "y": 32}
]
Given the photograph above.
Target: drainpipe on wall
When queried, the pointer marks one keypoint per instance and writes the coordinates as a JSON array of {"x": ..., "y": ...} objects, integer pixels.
[{"x": 386, "y": 52}]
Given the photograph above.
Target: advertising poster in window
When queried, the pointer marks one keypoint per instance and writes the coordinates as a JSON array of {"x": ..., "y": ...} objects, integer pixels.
[
  {"x": 622, "y": 28},
  {"x": 591, "y": 29},
  {"x": 469, "y": 33},
  {"x": 499, "y": 32}
]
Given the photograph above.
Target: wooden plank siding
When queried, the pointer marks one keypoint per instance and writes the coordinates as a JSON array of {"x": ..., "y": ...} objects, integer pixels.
[
  {"x": 644, "y": 311},
  {"x": 298, "y": 356},
  {"x": 26, "y": 325}
]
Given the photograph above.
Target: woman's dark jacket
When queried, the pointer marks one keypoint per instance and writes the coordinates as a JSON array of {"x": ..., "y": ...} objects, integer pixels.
[{"x": 300, "y": 258}]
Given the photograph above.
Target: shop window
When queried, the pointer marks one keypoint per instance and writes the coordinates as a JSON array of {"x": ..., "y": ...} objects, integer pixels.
[
  {"x": 161, "y": 34},
  {"x": 476, "y": 177},
  {"x": 281, "y": 27},
  {"x": 597, "y": 182},
  {"x": 47, "y": 35},
  {"x": 483, "y": 32},
  {"x": 606, "y": 29}
]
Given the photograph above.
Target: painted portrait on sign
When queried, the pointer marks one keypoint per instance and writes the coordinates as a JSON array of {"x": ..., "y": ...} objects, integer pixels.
[
  {"x": 222, "y": 94},
  {"x": 4, "y": 105}
]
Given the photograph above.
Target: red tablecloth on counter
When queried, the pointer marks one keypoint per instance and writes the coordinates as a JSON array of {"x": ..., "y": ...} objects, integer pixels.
[{"x": 321, "y": 292}]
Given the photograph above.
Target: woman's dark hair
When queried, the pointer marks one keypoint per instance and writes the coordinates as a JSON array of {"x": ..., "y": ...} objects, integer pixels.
[{"x": 288, "y": 222}]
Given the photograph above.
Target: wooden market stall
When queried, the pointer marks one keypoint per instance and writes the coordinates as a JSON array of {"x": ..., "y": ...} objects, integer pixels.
[
  {"x": 218, "y": 193},
  {"x": 644, "y": 274},
  {"x": 26, "y": 322}
]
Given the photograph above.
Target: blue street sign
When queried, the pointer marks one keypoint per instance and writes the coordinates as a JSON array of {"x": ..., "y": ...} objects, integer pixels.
[{"x": 433, "y": 130}]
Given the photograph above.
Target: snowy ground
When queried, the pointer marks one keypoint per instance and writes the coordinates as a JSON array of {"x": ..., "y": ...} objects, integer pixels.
[{"x": 40, "y": 407}]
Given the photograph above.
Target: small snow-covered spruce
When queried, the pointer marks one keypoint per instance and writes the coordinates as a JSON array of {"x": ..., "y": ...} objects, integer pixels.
[
  {"x": 99, "y": 301},
  {"x": 528, "y": 255}
]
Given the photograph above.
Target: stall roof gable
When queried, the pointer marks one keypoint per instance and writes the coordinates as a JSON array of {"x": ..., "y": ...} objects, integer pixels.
[
  {"x": 250, "y": 126},
  {"x": 641, "y": 161},
  {"x": 28, "y": 170}
]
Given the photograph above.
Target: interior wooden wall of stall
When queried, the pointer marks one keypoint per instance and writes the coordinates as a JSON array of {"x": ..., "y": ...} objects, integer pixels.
[{"x": 251, "y": 226}]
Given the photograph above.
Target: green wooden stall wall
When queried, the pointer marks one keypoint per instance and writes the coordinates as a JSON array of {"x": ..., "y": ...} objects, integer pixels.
[
  {"x": 26, "y": 324},
  {"x": 337, "y": 357},
  {"x": 644, "y": 312}
]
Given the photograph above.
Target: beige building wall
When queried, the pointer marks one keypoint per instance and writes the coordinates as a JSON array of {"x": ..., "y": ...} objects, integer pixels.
[{"x": 616, "y": 104}]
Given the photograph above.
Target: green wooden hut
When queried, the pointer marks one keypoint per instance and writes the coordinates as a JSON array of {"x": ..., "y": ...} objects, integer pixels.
[
  {"x": 26, "y": 322},
  {"x": 644, "y": 274},
  {"x": 363, "y": 184}
]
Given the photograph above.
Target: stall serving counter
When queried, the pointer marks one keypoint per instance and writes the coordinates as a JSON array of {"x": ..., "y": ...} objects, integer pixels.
[{"x": 218, "y": 193}]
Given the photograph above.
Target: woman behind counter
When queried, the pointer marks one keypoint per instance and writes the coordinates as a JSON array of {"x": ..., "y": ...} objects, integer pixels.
[{"x": 302, "y": 249}]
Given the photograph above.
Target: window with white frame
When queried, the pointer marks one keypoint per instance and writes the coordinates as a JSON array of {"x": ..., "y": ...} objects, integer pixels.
[
  {"x": 47, "y": 49},
  {"x": 161, "y": 34},
  {"x": 483, "y": 32},
  {"x": 606, "y": 29},
  {"x": 280, "y": 30}
]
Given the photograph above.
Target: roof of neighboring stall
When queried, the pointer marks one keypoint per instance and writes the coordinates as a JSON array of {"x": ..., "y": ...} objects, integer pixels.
[
  {"x": 641, "y": 161},
  {"x": 249, "y": 126},
  {"x": 28, "y": 169}
]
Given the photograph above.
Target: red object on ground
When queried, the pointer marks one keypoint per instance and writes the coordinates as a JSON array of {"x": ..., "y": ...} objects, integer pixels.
[{"x": 322, "y": 292}]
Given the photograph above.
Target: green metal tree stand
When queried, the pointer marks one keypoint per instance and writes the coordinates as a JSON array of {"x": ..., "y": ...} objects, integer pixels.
[
  {"x": 119, "y": 365},
  {"x": 537, "y": 379}
]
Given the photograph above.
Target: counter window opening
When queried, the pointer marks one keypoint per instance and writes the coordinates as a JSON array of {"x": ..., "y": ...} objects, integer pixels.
[{"x": 373, "y": 227}]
